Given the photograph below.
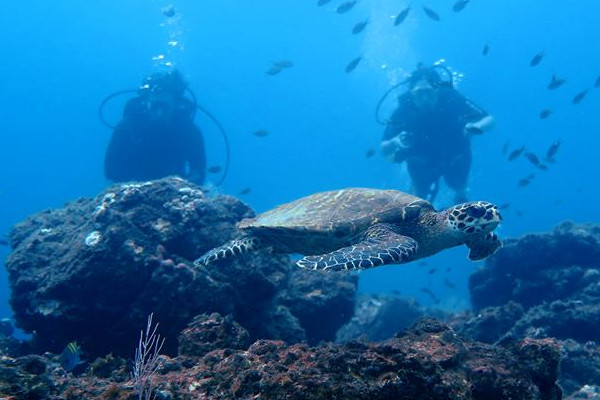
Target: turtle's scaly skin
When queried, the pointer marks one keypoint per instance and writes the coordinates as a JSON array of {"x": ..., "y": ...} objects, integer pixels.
[{"x": 364, "y": 228}]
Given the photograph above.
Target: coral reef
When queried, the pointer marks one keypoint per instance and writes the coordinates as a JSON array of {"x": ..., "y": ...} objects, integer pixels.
[
  {"x": 544, "y": 285},
  {"x": 93, "y": 270},
  {"x": 540, "y": 267},
  {"x": 428, "y": 361}
]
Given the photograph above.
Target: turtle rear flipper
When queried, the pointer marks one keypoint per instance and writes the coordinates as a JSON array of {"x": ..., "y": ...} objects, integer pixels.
[
  {"x": 230, "y": 249},
  {"x": 381, "y": 245},
  {"x": 483, "y": 247}
]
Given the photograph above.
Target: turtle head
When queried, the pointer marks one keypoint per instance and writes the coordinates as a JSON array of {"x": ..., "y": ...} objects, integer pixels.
[{"x": 473, "y": 218}]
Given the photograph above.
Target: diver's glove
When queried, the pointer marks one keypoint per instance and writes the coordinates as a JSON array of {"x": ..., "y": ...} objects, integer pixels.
[
  {"x": 396, "y": 148},
  {"x": 472, "y": 128},
  {"x": 402, "y": 141}
]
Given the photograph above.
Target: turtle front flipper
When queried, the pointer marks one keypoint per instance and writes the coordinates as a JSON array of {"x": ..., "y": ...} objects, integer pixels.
[
  {"x": 483, "y": 247},
  {"x": 381, "y": 245},
  {"x": 230, "y": 249}
]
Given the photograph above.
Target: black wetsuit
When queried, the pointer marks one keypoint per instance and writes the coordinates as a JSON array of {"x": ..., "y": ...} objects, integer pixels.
[
  {"x": 144, "y": 146},
  {"x": 438, "y": 145}
]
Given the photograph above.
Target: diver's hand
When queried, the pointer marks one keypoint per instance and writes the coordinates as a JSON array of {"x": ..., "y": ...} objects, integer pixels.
[
  {"x": 472, "y": 128},
  {"x": 401, "y": 141}
]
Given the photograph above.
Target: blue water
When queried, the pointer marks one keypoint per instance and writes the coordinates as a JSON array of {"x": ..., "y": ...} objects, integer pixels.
[{"x": 61, "y": 58}]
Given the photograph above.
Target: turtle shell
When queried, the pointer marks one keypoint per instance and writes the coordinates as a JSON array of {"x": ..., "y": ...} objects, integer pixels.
[{"x": 339, "y": 215}]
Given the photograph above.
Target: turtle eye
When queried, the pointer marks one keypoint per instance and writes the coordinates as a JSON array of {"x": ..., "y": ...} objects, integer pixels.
[{"x": 476, "y": 211}]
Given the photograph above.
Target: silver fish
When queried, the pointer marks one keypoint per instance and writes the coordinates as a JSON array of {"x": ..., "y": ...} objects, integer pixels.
[
  {"x": 274, "y": 70},
  {"x": 552, "y": 150},
  {"x": 555, "y": 82},
  {"x": 485, "y": 50},
  {"x": 579, "y": 96},
  {"x": 283, "y": 63},
  {"x": 545, "y": 113},
  {"x": 345, "y": 7},
  {"x": 516, "y": 153},
  {"x": 261, "y": 133},
  {"x": 352, "y": 64},
  {"x": 401, "y": 16},
  {"x": 431, "y": 14},
  {"x": 536, "y": 59},
  {"x": 532, "y": 158},
  {"x": 460, "y": 5},
  {"x": 359, "y": 27}
]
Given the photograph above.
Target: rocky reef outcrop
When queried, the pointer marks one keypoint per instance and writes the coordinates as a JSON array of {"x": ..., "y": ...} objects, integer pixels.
[
  {"x": 95, "y": 269},
  {"x": 428, "y": 361},
  {"x": 544, "y": 285}
]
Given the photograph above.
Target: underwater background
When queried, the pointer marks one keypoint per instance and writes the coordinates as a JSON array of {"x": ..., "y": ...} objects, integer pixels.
[{"x": 62, "y": 58}]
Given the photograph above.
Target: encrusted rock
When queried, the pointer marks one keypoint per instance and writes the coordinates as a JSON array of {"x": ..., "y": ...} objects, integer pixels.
[
  {"x": 210, "y": 332},
  {"x": 95, "y": 269}
]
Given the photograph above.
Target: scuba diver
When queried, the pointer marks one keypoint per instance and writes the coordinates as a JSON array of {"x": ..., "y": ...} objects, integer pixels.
[
  {"x": 431, "y": 131},
  {"x": 157, "y": 136}
]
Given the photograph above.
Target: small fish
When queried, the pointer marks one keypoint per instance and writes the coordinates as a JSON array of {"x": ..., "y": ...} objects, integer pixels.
[
  {"x": 3, "y": 242},
  {"x": 485, "y": 50},
  {"x": 449, "y": 284},
  {"x": 555, "y": 82},
  {"x": 460, "y": 5},
  {"x": 597, "y": 82},
  {"x": 359, "y": 27},
  {"x": 261, "y": 133},
  {"x": 536, "y": 59},
  {"x": 551, "y": 152},
  {"x": 352, "y": 64},
  {"x": 283, "y": 64},
  {"x": 322, "y": 2},
  {"x": 504, "y": 206},
  {"x": 215, "y": 169},
  {"x": 345, "y": 7},
  {"x": 543, "y": 167},
  {"x": 245, "y": 191},
  {"x": 274, "y": 70},
  {"x": 545, "y": 113},
  {"x": 532, "y": 158},
  {"x": 70, "y": 356},
  {"x": 370, "y": 152},
  {"x": 401, "y": 16},
  {"x": 505, "y": 147},
  {"x": 519, "y": 213},
  {"x": 431, "y": 14},
  {"x": 523, "y": 182},
  {"x": 579, "y": 96},
  {"x": 516, "y": 153},
  {"x": 432, "y": 271},
  {"x": 169, "y": 11}
]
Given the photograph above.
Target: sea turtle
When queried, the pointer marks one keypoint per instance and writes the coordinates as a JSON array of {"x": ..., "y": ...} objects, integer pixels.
[{"x": 360, "y": 228}]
